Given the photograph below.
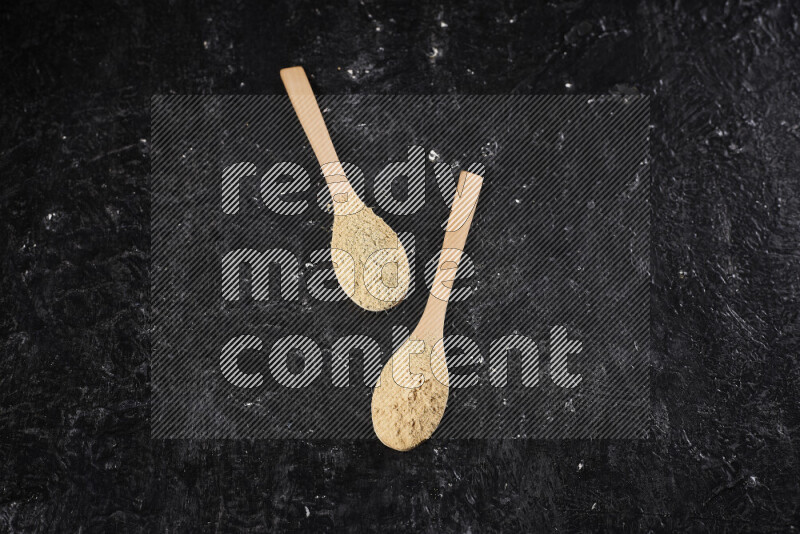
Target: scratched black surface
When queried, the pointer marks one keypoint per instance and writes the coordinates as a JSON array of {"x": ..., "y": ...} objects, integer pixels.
[{"x": 75, "y": 447}]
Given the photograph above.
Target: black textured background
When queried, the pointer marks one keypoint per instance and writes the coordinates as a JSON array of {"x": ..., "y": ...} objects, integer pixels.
[{"x": 75, "y": 447}]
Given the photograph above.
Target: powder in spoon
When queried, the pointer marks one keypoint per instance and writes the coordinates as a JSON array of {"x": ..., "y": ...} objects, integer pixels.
[
  {"x": 378, "y": 276},
  {"x": 404, "y": 417}
]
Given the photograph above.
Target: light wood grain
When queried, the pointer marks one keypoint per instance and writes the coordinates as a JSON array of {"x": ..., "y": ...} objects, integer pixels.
[{"x": 308, "y": 113}]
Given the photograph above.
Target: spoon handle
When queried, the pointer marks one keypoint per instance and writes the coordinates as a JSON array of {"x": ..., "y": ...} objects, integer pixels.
[
  {"x": 305, "y": 106},
  {"x": 464, "y": 203}
]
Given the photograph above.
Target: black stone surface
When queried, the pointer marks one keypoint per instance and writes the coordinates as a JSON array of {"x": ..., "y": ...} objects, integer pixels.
[{"x": 75, "y": 447}]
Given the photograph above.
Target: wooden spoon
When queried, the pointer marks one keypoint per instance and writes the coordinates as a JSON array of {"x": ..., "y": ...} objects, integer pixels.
[
  {"x": 368, "y": 258},
  {"x": 411, "y": 394}
]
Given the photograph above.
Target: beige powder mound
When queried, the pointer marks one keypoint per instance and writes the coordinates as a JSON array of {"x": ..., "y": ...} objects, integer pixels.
[
  {"x": 405, "y": 417},
  {"x": 361, "y": 235}
]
